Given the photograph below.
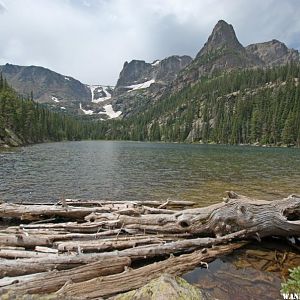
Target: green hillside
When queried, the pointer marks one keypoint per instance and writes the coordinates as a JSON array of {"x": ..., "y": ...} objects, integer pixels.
[
  {"x": 239, "y": 107},
  {"x": 252, "y": 106}
]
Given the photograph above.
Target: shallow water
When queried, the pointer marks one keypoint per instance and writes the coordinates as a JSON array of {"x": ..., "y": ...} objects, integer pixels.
[
  {"x": 152, "y": 171},
  {"x": 254, "y": 272}
]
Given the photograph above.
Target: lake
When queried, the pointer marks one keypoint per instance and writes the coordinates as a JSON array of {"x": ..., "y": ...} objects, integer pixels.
[{"x": 152, "y": 171}]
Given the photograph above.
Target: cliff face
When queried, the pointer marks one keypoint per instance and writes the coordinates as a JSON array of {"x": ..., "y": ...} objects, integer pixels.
[
  {"x": 45, "y": 84},
  {"x": 141, "y": 83},
  {"x": 273, "y": 53},
  {"x": 59, "y": 92}
]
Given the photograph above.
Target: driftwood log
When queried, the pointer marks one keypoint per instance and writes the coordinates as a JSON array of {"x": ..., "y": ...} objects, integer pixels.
[{"x": 97, "y": 244}]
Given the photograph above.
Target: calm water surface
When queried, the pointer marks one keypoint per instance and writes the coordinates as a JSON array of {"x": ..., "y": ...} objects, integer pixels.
[{"x": 137, "y": 171}]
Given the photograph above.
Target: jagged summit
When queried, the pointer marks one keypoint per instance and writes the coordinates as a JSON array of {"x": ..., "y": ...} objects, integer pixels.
[{"x": 222, "y": 37}]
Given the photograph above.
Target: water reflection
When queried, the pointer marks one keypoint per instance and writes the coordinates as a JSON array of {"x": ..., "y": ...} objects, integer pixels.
[{"x": 136, "y": 171}]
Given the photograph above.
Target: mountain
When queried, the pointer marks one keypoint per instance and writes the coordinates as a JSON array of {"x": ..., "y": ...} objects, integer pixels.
[
  {"x": 273, "y": 53},
  {"x": 141, "y": 84},
  {"x": 60, "y": 92},
  {"x": 140, "y": 81},
  {"x": 227, "y": 94},
  {"x": 47, "y": 86},
  {"x": 223, "y": 52}
]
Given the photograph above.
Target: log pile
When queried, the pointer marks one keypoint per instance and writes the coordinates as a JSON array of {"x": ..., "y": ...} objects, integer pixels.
[{"x": 92, "y": 249}]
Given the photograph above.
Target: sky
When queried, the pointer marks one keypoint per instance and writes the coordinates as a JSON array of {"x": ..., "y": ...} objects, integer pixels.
[{"x": 91, "y": 39}]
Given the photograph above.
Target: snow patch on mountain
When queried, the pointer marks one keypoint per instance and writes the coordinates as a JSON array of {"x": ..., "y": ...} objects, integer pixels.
[
  {"x": 139, "y": 86},
  {"x": 54, "y": 99},
  {"x": 110, "y": 112},
  {"x": 155, "y": 63},
  {"x": 67, "y": 78},
  {"x": 99, "y": 89}
]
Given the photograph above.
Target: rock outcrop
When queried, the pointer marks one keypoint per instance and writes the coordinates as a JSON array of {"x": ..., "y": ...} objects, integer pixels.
[
  {"x": 164, "y": 287},
  {"x": 141, "y": 83},
  {"x": 273, "y": 53},
  {"x": 47, "y": 86}
]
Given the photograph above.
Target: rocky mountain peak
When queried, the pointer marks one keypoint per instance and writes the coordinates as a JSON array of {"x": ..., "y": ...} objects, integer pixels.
[
  {"x": 134, "y": 72},
  {"x": 273, "y": 52},
  {"x": 222, "y": 36}
]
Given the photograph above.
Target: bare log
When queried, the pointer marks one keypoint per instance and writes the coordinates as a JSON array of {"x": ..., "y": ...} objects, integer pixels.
[
  {"x": 40, "y": 212},
  {"x": 152, "y": 203},
  {"x": 108, "y": 244},
  {"x": 23, "y": 240},
  {"x": 60, "y": 262},
  {"x": 279, "y": 217},
  {"x": 132, "y": 279},
  {"x": 52, "y": 281},
  {"x": 11, "y": 253}
]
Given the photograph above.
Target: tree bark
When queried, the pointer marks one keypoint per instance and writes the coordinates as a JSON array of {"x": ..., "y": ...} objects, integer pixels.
[{"x": 52, "y": 281}]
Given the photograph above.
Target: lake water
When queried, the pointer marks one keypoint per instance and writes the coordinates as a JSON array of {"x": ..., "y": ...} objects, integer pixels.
[{"x": 152, "y": 171}]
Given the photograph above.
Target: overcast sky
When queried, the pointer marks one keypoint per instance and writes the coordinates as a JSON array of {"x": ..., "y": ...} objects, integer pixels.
[{"x": 91, "y": 39}]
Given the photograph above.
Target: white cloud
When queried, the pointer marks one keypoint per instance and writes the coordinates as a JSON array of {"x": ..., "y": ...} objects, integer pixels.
[{"x": 91, "y": 39}]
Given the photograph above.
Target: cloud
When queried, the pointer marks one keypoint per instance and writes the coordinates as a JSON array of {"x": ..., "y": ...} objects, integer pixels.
[
  {"x": 2, "y": 8},
  {"x": 91, "y": 39}
]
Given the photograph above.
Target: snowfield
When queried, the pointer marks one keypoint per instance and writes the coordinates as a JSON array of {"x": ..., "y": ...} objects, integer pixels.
[
  {"x": 110, "y": 111},
  {"x": 155, "y": 63},
  {"x": 101, "y": 99},
  {"x": 143, "y": 85},
  {"x": 54, "y": 99}
]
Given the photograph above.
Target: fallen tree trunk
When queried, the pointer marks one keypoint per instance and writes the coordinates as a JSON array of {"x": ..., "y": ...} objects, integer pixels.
[
  {"x": 12, "y": 253},
  {"x": 52, "y": 281},
  {"x": 135, "y": 278},
  {"x": 264, "y": 218},
  {"x": 131, "y": 230},
  {"x": 61, "y": 262}
]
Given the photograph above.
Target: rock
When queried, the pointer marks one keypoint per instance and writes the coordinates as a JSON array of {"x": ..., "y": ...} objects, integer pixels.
[
  {"x": 135, "y": 72},
  {"x": 11, "y": 139},
  {"x": 140, "y": 81},
  {"x": 222, "y": 37},
  {"x": 165, "y": 287},
  {"x": 273, "y": 53},
  {"x": 47, "y": 86},
  {"x": 223, "y": 52}
]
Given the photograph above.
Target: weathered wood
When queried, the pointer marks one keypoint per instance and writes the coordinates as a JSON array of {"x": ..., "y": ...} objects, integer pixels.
[
  {"x": 135, "y": 278},
  {"x": 88, "y": 227},
  {"x": 38, "y": 212},
  {"x": 139, "y": 230},
  {"x": 153, "y": 203},
  {"x": 264, "y": 217},
  {"x": 23, "y": 240},
  {"x": 108, "y": 244},
  {"x": 11, "y": 253},
  {"x": 29, "y": 266},
  {"x": 52, "y": 281}
]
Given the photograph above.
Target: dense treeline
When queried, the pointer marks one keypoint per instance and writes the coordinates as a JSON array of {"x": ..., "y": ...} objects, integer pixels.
[
  {"x": 245, "y": 106},
  {"x": 240, "y": 107},
  {"x": 23, "y": 121}
]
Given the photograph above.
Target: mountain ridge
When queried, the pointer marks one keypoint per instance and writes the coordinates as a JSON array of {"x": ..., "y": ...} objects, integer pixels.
[{"x": 141, "y": 83}]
